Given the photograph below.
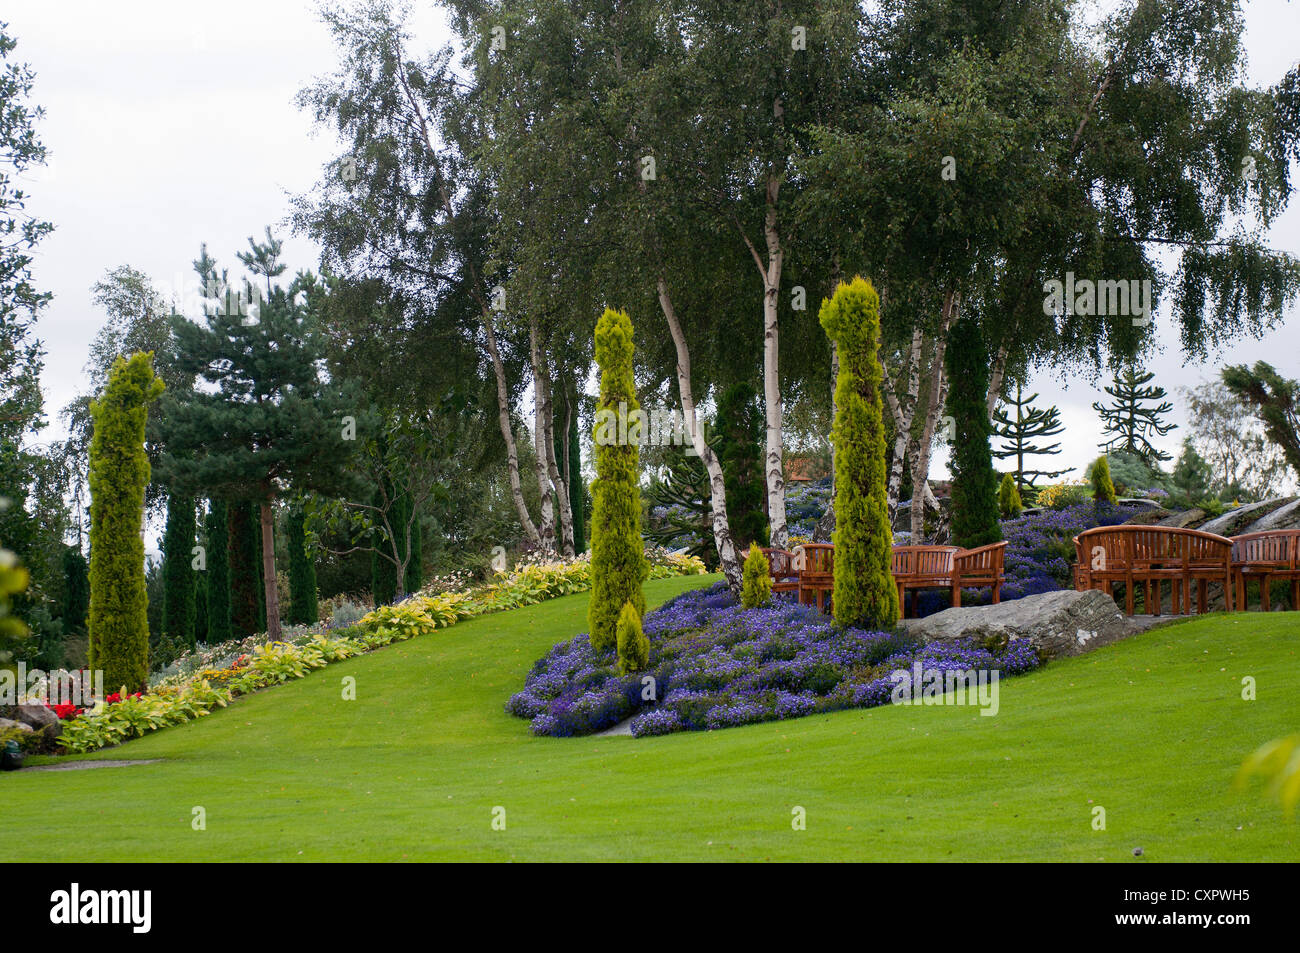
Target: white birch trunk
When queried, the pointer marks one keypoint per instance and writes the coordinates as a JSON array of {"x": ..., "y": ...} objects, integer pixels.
[
  {"x": 922, "y": 495},
  {"x": 775, "y": 462},
  {"x": 545, "y": 494}
]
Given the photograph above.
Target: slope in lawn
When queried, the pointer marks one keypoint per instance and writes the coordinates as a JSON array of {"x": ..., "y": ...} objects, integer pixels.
[{"x": 1151, "y": 729}]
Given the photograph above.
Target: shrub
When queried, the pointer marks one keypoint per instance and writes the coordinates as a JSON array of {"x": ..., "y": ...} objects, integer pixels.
[
  {"x": 864, "y": 591},
  {"x": 974, "y": 482},
  {"x": 1009, "y": 498},
  {"x": 118, "y": 474},
  {"x": 633, "y": 646},
  {"x": 756, "y": 583},
  {"x": 1059, "y": 496},
  {"x": 618, "y": 564},
  {"x": 739, "y": 450},
  {"x": 1103, "y": 490}
]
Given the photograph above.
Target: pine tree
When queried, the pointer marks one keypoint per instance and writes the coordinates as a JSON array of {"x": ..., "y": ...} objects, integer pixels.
[
  {"x": 118, "y": 474},
  {"x": 1135, "y": 416},
  {"x": 1019, "y": 432},
  {"x": 76, "y": 591},
  {"x": 618, "y": 563},
  {"x": 1103, "y": 488},
  {"x": 178, "y": 570},
  {"x": 302, "y": 571},
  {"x": 1192, "y": 474},
  {"x": 756, "y": 580},
  {"x": 974, "y": 481},
  {"x": 217, "y": 575},
  {"x": 864, "y": 592},
  {"x": 633, "y": 646},
  {"x": 268, "y": 419},
  {"x": 739, "y": 449}
]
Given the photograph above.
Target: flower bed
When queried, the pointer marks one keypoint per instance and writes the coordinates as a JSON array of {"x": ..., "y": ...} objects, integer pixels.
[
  {"x": 715, "y": 665},
  {"x": 211, "y": 678}
]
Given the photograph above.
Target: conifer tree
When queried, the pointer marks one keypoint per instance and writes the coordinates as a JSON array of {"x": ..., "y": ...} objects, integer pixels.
[
  {"x": 216, "y": 578},
  {"x": 245, "y": 586},
  {"x": 76, "y": 591},
  {"x": 974, "y": 481},
  {"x": 740, "y": 451},
  {"x": 118, "y": 475},
  {"x": 302, "y": 571},
  {"x": 618, "y": 563},
  {"x": 178, "y": 571},
  {"x": 864, "y": 592},
  {"x": 1020, "y": 429},
  {"x": 1135, "y": 416}
]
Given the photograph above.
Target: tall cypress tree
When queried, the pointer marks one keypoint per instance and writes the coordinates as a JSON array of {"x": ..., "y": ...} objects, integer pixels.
[
  {"x": 242, "y": 559},
  {"x": 974, "y": 481},
  {"x": 618, "y": 563},
  {"x": 178, "y": 570},
  {"x": 864, "y": 592},
  {"x": 302, "y": 571},
  {"x": 739, "y": 449},
  {"x": 217, "y": 575},
  {"x": 118, "y": 474}
]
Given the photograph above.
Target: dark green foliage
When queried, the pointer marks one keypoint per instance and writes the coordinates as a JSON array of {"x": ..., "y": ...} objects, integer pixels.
[
  {"x": 633, "y": 645},
  {"x": 618, "y": 563},
  {"x": 1009, "y": 504},
  {"x": 1103, "y": 489},
  {"x": 756, "y": 580},
  {"x": 178, "y": 570},
  {"x": 76, "y": 591},
  {"x": 864, "y": 592},
  {"x": 383, "y": 571},
  {"x": 1275, "y": 401},
  {"x": 974, "y": 482},
  {"x": 217, "y": 576},
  {"x": 302, "y": 572},
  {"x": 414, "y": 577},
  {"x": 577, "y": 489},
  {"x": 739, "y": 448},
  {"x": 1136, "y": 415},
  {"x": 1192, "y": 475},
  {"x": 684, "y": 510},
  {"x": 201, "y": 610},
  {"x": 119, "y": 472},
  {"x": 244, "y": 559}
]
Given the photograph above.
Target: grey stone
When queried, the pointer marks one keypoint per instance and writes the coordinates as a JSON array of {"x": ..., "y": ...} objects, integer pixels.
[
  {"x": 7, "y": 723},
  {"x": 1186, "y": 519},
  {"x": 1234, "y": 521},
  {"x": 1057, "y": 624},
  {"x": 38, "y": 716},
  {"x": 1286, "y": 516}
]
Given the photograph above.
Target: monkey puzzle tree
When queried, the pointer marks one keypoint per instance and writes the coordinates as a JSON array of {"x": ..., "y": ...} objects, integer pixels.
[
  {"x": 618, "y": 564},
  {"x": 864, "y": 592},
  {"x": 119, "y": 472},
  {"x": 1135, "y": 416},
  {"x": 269, "y": 423},
  {"x": 1019, "y": 432}
]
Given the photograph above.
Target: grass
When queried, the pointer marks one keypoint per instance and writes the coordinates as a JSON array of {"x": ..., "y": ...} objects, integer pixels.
[{"x": 1152, "y": 729}]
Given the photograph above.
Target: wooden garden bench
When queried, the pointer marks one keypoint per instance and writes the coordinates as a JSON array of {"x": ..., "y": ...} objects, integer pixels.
[
  {"x": 1265, "y": 557},
  {"x": 815, "y": 563},
  {"x": 979, "y": 567},
  {"x": 1149, "y": 556},
  {"x": 780, "y": 564},
  {"x": 921, "y": 567}
]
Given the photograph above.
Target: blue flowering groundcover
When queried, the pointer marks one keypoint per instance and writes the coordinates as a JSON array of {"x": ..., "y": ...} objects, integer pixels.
[{"x": 715, "y": 665}]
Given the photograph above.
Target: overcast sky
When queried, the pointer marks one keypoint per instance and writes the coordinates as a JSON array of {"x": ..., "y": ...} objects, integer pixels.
[{"x": 172, "y": 123}]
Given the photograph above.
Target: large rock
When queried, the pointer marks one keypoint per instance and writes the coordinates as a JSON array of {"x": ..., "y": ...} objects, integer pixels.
[
  {"x": 37, "y": 716},
  {"x": 1236, "y": 521},
  {"x": 7, "y": 724},
  {"x": 1186, "y": 519},
  {"x": 1056, "y": 623},
  {"x": 1286, "y": 516}
]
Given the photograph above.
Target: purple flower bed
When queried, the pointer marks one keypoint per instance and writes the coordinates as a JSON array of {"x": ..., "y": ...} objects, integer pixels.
[{"x": 715, "y": 665}]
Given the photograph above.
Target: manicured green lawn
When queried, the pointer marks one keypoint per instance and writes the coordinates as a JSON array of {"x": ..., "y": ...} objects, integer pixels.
[{"x": 1151, "y": 729}]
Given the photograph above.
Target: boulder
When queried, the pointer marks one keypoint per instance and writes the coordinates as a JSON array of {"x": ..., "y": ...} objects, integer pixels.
[
  {"x": 1187, "y": 519},
  {"x": 1286, "y": 516},
  {"x": 1235, "y": 521},
  {"x": 37, "y": 716},
  {"x": 7, "y": 724},
  {"x": 1056, "y": 623}
]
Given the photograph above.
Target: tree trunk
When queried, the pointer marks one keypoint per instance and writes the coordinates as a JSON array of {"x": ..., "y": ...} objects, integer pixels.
[
  {"x": 922, "y": 495},
  {"x": 268, "y": 573},
  {"x": 727, "y": 557},
  {"x": 999, "y": 370},
  {"x": 507, "y": 432},
  {"x": 546, "y": 418},
  {"x": 904, "y": 412},
  {"x": 775, "y": 462},
  {"x": 546, "y": 527}
]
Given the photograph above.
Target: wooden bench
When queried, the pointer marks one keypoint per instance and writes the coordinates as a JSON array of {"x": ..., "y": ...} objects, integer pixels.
[
  {"x": 921, "y": 567},
  {"x": 1265, "y": 557},
  {"x": 1149, "y": 556},
  {"x": 979, "y": 567},
  {"x": 780, "y": 564},
  {"x": 815, "y": 563}
]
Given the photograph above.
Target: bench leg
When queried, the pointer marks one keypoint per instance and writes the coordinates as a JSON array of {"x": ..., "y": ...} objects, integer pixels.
[
  {"x": 1264, "y": 587},
  {"x": 956, "y": 597},
  {"x": 997, "y": 593},
  {"x": 1128, "y": 597}
]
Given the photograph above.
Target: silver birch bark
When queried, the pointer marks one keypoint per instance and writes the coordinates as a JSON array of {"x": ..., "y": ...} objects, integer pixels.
[
  {"x": 922, "y": 495},
  {"x": 545, "y": 494}
]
